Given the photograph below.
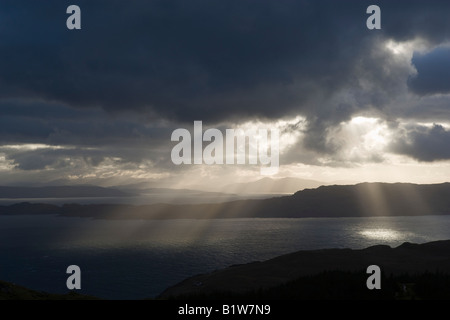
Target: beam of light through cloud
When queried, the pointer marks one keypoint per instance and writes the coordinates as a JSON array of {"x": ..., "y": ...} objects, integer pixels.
[{"x": 348, "y": 102}]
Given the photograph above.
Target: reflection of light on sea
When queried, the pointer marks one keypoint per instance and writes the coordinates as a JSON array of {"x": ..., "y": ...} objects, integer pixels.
[{"x": 381, "y": 234}]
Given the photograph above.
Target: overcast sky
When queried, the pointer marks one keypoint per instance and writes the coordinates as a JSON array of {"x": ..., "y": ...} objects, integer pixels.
[{"x": 98, "y": 105}]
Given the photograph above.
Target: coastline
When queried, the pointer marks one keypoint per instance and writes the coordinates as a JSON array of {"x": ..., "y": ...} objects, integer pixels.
[
  {"x": 244, "y": 280},
  {"x": 307, "y": 274}
]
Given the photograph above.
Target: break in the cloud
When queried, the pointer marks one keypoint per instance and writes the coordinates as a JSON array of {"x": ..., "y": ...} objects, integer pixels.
[
  {"x": 109, "y": 95},
  {"x": 433, "y": 72}
]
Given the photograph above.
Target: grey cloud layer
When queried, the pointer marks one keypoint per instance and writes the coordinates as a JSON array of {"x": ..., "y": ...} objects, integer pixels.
[
  {"x": 88, "y": 135},
  {"x": 201, "y": 59},
  {"x": 210, "y": 60},
  {"x": 424, "y": 144}
]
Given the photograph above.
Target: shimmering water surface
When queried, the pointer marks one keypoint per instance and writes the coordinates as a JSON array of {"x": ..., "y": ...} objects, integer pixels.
[{"x": 136, "y": 259}]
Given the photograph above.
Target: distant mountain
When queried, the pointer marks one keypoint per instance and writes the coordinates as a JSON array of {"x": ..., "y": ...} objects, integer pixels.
[
  {"x": 361, "y": 200},
  {"x": 60, "y": 192},
  {"x": 274, "y": 186},
  {"x": 135, "y": 186},
  {"x": 141, "y": 189}
]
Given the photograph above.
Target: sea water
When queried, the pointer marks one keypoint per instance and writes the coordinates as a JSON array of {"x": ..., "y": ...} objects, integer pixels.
[{"x": 136, "y": 259}]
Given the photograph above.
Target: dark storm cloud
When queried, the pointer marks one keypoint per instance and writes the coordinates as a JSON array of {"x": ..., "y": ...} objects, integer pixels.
[
  {"x": 424, "y": 144},
  {"x": 202, "y": 59},
  {"x": 433, "y": 72},
  {"x": 73, "y": 138},
  {"x": 404, "y": 21},
  {"x": 57, "y": 124},
  {"x": 210, "y": 60},
  {"x": 205, "y": 60}
]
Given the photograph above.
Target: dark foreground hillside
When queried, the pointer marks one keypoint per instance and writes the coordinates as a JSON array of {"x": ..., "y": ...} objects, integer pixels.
[
  {"x": 9, "y": 291},
  {"x": 409, "y": 271},
  {"x": 341, "y": 285}
]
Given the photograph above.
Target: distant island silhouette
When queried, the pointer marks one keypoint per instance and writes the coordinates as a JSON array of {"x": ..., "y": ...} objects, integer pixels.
[
  {"x": 8, "y": 192},
  {"x": 361, "y": 200}
]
